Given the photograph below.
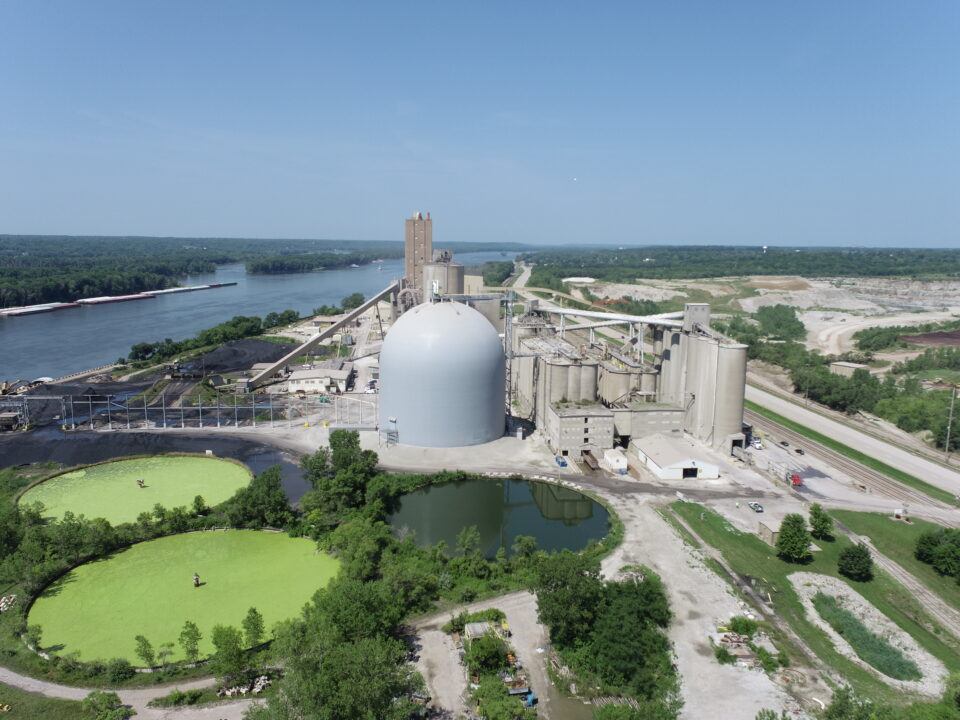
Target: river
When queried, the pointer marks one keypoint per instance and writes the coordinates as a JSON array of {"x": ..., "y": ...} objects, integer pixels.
[{"x": 57, "y": 343}]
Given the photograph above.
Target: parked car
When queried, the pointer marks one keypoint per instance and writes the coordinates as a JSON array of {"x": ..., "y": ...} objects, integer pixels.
[
  {"x": 561, "y": 461},
  {"x": 755, "y": 506},
  {"x": 785, "y": 443},
  {"x": 799, "y": 451}
]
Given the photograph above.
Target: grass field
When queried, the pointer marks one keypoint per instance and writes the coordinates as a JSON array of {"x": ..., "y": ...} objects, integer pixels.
[
  {"x": 749, "y": 556},
  {"x": 897, "y": 541},
  {"x": 862, "y": 458},
  {"x": 24, "y": 705},
  {"x": 96, "y": 610},
  {"x": 110, "y": 490}
]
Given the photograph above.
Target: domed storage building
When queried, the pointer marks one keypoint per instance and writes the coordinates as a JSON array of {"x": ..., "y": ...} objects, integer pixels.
[{"x": 442, "y": 378}]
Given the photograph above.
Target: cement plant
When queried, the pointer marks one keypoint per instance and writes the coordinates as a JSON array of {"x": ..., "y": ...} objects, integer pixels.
[{"x": 534, "y": 418}]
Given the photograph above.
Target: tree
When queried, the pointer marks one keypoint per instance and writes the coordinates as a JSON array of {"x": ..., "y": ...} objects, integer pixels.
[
  {"x": 352, "y": 301},
  {"x": 34, "y": 635},
  {"x": 487, "y": 654},
  {"x": 821, "y": 524},
  {"x": 569, "y": 592},
  {"x": 855, "y": 562},
  {"x": 200, "y": 506},
  {"x": 348, "y": 610},
  {"x": 145, "y": 651},
  {"x": 793, "y": 541},
  {"x": 253, "y": 628},
  {"x": 262, "y": 503},
  {"x": 190, "y": 641},
  {"x": 100, "y": 705},
  {"x": 768, "y": 714},
  {"x": 229, "y": 661},
  {"x": 163, "y": 653},
  {"x": 364, "y": 680}
]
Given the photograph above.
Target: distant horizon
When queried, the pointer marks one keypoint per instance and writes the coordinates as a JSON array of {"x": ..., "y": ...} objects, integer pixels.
[{"x": 572, "y": 245}]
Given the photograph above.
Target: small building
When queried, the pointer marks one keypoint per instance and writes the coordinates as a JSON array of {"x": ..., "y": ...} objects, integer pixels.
[
  {"x": 672, "y": 458},
  {"x": 321, "y": 379},
  {"x": 768, "y": 531},
  {"x": 477, "y": 629},
  {"x": 615, "y": 460},
  {"x": 10, "y": 420},
  {"x": 322, "y": 322},
  {"x": 847, "y": 369}
]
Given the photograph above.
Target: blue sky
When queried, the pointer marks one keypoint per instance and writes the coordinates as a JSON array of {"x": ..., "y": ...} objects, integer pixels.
[{"x": 816, "y": 123}]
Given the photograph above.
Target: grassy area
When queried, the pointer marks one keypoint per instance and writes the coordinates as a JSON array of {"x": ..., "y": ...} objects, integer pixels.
[
  {"x": 28, "y": 705},
  {"x": 97, "y": 609},
  {"x": 862, "y": 458},
  {"x": 872, "y": 649},
  {"x": 754, "y": 560},
  {"x": 109, "y": 490},
  {"x": 897, "y": 540}
]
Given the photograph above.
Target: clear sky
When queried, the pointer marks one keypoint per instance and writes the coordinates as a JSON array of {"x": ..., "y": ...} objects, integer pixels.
[{"x": 816, "y": 123}]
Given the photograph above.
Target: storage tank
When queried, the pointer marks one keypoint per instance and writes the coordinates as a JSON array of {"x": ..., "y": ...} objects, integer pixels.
[
  {"x": 731, "y": 381},
  {"x": 442, "y": 378},
  {"x": 447, "y": 277},
  {"x": 588, "y": 382}
]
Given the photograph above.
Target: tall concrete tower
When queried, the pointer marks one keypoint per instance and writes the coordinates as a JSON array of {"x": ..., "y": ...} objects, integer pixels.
[{"x": 417, "y": 248}]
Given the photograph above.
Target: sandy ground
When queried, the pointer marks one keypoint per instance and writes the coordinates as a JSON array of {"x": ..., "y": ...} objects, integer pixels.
[
  {"x": 699, "y": 600},
  {"x": 934, "y": 673},
  {"x": 832, "y": 332}
]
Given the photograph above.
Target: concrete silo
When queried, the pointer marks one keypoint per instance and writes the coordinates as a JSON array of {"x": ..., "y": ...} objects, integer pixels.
[{"x": 442, "y": 378}]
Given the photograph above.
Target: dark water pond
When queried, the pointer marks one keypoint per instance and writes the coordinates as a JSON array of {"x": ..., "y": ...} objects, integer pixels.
[
  {"x": 50, "y": 444},
  {"x": 559, "y": 518}
]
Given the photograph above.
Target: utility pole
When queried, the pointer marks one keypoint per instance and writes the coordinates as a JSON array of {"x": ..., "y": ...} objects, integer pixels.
[{"x": 946, "y": 445}]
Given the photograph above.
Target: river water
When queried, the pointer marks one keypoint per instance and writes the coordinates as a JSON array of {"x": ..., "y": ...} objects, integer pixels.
[{"x": 57, "y": 343}]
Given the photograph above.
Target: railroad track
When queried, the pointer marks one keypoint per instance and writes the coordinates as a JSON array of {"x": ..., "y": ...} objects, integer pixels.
[{"x": 867, "y": 477}]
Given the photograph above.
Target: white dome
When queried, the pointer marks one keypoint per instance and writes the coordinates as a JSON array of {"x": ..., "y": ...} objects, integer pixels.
[{"x": 442, "y": 377}]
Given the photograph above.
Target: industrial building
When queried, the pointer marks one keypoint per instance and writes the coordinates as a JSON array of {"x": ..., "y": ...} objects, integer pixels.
[
  {"x": 442, "y": 381},
  {"x": 691, "y": 381},
  {"x": 455, "y": 366}
]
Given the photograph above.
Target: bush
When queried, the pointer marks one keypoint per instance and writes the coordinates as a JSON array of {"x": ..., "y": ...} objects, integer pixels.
[
  {"x": 723, "y": 656},
  {"x": 743, "y": 625},
  {"x": 486, "y": 654},
  {"x": 856, "y": 563},
  {"x": 119, "y": 669},
  {"x": 100, "y": 705}
]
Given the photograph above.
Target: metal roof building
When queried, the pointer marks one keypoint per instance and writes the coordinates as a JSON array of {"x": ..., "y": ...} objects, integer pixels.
[{"x": 672, "y": 458}]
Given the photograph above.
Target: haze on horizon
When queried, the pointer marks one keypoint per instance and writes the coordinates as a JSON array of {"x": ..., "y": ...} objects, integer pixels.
[{"x": 621, "y": 123}]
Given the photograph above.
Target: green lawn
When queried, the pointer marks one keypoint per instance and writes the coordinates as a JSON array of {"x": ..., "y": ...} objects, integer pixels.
[
  {"x": 96, "y": 610},
  {"x": 862, "y": 458},
  {"x": 897, "y": 541},
  {"x": 752, "y": 558},
  {"x": 110, "y": 490},
  {"x": 24, "y": 705}
]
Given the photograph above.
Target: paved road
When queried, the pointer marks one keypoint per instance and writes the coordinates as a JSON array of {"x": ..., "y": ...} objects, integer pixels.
[
  {"x": 137, "y": 699},
  {"x": 888, "y": 453}
]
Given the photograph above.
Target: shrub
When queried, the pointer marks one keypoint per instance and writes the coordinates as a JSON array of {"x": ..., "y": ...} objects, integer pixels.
[
  {"x": 855, "y": 562},
  {"x": 743, "y": 625},
  {"x": 119, "y": 669},
  {"x": 487, "y": 653},
  {"x": 100, "y": 705},
  {"x": 723, "y": 656}
]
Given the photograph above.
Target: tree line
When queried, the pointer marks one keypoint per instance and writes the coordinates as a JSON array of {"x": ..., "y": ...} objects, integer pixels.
[{"x": 626, "y": 265}]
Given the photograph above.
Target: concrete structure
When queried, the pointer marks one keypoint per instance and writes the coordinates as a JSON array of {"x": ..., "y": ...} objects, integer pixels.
[
  {"x": 572, "y": 429},
  {"x": 417, "y": 248},
  {"x": 847, "y": 369},
  {"x": 671, "y": 458},
  {"x": 473, "y": 284},
  {"x": 442, "y": 277},
  {"x": 768, "y": 531},
  {"x": 330, "y": 376},
  {"x": 442, "y": 378}
]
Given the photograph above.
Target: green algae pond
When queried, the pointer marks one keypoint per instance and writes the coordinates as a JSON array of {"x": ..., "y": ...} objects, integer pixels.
[{"x": 110, "y": 490}]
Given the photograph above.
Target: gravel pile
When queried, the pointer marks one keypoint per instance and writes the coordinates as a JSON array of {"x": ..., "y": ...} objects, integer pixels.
[{"x": 934, "y": 673}]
